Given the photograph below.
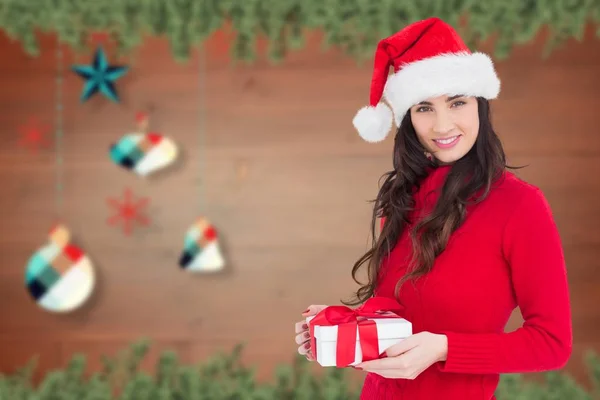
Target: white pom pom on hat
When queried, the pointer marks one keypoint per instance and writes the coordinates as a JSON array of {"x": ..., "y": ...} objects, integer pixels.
[
  {"x": 429, "y": 60},
  {"x": 373, "y": 123}
]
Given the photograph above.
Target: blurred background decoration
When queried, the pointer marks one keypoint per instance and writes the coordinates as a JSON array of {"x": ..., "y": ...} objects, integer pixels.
[
  {"x": 354, "y": 25},
  {"x": 259, "y": 184}
]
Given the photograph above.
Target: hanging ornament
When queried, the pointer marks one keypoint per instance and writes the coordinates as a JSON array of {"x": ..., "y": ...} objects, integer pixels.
[
  {"x": 128, "y": 212},
  {"x": 59, "y": 276},
  {"x": 201, "y": 251},
  {"x": 141, "y": 152},
  {"x": 100, "y": 77}
]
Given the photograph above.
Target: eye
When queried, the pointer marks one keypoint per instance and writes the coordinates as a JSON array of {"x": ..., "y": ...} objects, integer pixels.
[
  {"x": 423, "y": 109},
  {"x": 458, "y": 103}
]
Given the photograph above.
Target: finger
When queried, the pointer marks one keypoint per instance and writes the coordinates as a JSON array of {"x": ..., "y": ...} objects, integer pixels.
[
  {"x": 313, "y": 310},
  {"x": 301, "y": 326},
  {"x": 303, "y": 337},
  {"x": 398, "y": 362},
  {"x": 384, "y": 363},
  {"x": 304, "y": 349},
  {"x": 403, "y": 346}
]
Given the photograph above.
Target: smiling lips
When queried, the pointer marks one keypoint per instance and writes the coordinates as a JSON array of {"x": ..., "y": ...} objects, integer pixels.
[{"x": 447, "y": 143}]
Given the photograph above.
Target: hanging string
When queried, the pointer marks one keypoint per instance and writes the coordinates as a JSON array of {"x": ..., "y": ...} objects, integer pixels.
[
  {"x": 58, "y": 133},
  {"x": 201, "y": 128}
]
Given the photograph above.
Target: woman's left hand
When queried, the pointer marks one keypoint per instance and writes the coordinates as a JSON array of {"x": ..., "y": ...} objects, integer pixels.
[{"x": 410, "y": 357}]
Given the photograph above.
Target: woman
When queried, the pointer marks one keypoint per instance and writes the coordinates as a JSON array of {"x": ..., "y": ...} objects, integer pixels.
[{"x": 463, "y": 241}]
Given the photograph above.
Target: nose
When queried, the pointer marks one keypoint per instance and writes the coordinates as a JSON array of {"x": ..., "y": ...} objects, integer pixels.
[{"x": 443, "y": 123}]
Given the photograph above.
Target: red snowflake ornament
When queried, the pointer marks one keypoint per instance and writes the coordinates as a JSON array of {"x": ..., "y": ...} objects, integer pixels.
[
  {"x": 33, "y": 135},
  {"x": 128, "y": 212}
]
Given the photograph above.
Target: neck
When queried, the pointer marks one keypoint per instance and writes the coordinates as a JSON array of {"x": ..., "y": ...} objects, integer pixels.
[{"x": 443, "y": 164}]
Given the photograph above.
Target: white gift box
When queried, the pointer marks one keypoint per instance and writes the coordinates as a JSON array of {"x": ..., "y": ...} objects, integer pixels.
[{"x": 389, "y": 331}]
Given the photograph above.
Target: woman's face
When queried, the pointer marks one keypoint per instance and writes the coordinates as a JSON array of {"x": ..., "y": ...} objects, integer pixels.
[{"x": 447, "y": 126}]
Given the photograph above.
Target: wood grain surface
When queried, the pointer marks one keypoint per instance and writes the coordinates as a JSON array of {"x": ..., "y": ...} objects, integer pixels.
[{"x": 270, "y": 156}]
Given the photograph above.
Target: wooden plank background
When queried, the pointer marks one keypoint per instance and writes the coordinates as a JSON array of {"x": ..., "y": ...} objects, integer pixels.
[{"x": 282, "y": 175}]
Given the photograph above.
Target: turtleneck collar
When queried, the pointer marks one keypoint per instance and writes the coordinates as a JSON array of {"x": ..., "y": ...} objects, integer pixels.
[
  {"x": 436, "y": 175},
  {"x": 431, "y": 188}
]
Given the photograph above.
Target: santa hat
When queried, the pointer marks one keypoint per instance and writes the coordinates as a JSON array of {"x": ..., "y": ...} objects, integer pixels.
[{"x": 429, "y": 60}]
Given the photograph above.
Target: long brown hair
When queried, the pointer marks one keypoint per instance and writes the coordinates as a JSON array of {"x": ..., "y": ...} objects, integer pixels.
[{"x": 469, "y": 180}]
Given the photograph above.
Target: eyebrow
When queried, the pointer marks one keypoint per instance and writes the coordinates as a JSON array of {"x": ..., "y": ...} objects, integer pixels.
[{"x": 426, "y": 103}]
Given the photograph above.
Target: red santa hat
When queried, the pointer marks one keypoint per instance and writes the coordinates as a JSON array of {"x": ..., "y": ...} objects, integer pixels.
[{"x": 429, "y": 60}]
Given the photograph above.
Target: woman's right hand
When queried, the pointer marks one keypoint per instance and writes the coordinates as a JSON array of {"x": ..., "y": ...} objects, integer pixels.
[{"x": 303, "y": 333}]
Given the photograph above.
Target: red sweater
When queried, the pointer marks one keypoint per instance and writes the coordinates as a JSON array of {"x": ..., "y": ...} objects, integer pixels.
[{"x": 507, "y": 254}]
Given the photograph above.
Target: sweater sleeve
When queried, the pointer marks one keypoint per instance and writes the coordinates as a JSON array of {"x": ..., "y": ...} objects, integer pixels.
[{"x": 532, "y": 248}]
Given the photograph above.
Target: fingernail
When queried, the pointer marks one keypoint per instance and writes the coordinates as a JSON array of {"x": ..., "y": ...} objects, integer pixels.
[
  {"x": 304, "y": 326},
  {"x": 305, "y": 311},
  {"x": 307, "y": 346},
  {"x": 306, "y": 334}
]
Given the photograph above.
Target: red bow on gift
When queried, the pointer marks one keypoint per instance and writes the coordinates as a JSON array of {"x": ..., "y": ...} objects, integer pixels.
[{"x": 347, "y": 320}]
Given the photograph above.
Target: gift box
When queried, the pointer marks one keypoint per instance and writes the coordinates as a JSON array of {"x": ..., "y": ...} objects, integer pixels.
[{"x": 341, "y": 336}]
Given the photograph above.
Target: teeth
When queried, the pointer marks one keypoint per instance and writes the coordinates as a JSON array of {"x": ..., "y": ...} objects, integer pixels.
[{"x": 446, "y": 141}]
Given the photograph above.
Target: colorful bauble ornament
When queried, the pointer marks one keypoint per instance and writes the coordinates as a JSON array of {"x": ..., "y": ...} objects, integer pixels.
[
  {"x": 59, "y": 276},
  {"x": 201, "y": 251},
  {"x": 143, "y": 153},
  {"x": 100, "y": 77}
]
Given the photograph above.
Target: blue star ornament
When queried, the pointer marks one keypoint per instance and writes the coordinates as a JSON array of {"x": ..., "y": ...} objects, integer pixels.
[{"x": 100, "y": 77}]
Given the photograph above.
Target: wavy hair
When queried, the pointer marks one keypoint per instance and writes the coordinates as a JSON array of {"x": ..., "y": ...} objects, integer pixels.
[{"x": 470, "y": 180}]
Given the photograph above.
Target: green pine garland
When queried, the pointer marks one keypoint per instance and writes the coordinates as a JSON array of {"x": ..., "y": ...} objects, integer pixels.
[
  {"x": 353, "y": 25},
  {"x": 224, "y": 377}
]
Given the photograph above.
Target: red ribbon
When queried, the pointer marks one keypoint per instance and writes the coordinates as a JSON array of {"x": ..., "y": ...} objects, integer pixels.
[{"x": 348, "y": 320}]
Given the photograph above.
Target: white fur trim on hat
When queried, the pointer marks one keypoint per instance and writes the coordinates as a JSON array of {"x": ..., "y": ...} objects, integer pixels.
[
  {"x": 446, "y": 74},
  {"x": 373, "y": 123}
]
